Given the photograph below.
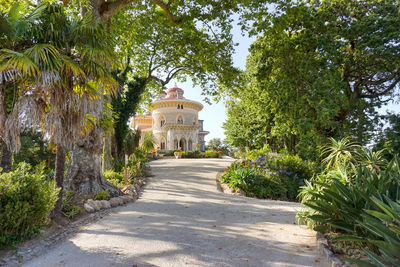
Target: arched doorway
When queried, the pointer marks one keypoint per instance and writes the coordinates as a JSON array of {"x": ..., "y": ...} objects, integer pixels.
[{"x": 182, "y": 144}]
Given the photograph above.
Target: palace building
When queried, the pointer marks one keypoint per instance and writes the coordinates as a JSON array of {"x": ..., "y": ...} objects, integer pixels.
[{"x": 174, "y": 122}]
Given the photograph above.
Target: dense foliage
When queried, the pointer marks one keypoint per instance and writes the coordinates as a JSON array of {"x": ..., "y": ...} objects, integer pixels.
[
  {"x": 124, "y": 106},
  {"x": 356, "y": 198},
  {"x": 264, "y": 174},
  {"x": 389, "y": 139},
  {"x": 26, "y": 199},
  {"x": 34, "y": 150},
  {"x": 136, "y": 166},
  {"x": 199, "y": 154},
  {"x": 319, "y": 69},
  {"x": 219, "y": 145}
]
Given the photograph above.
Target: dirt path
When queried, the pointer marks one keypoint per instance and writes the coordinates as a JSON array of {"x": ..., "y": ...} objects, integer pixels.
[{"x": 182, "y": 220}]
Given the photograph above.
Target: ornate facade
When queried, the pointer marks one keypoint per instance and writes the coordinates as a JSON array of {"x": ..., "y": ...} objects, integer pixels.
[{"x": 174, "y": 122}]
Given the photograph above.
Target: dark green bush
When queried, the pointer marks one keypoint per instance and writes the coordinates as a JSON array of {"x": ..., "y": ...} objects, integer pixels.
[
  {"x": 192, "y": 154},
  {"x": 34, "y": 150},
  {"x": 26, "y": 199},
  {"x": 282, "y": 173},
  {"x": 254, "y": 182}
]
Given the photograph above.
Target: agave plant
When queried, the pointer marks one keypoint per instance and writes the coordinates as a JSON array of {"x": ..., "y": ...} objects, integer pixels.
[
  {"x": 373, "y": 160},
  {"x": 339, "y": 152},
  {"x": 383, "y": 249}
]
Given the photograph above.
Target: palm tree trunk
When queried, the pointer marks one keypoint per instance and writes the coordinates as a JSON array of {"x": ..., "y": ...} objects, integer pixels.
[
  {"x": 59, "y": 177},
  {"x": 6, "y": 158}
]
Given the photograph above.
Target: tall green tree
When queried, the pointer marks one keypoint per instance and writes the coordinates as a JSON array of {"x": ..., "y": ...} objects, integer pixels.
[
  {"x": 389, "y": 138},
  {"x": 320, "y": 69}
]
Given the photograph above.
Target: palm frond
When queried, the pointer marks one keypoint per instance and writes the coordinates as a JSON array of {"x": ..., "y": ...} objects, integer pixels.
[
  {"x": 70, "y": 67},
  {"x": 45, "y": 56},
  {"x": 17, "y": 63}
]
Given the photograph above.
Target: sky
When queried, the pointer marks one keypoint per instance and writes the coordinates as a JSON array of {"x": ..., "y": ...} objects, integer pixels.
[{"x": 214, "y": 115}]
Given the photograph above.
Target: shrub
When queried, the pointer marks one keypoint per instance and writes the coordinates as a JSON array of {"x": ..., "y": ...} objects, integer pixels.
[
  {"x": 284, "y": 169},
  {"x": 102, "y": 195},
  {"x": 192, "y": 154},
  {"x": 26, "y": 199},
  {"x": 114, "y": 177},
  {"x": 253, "y": 183},
  {"x": 68, "y": 206},
  {"x": 211, "y": 154}
]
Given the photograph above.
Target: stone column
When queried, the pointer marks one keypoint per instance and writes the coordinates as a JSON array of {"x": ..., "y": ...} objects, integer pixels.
[{"x": 170, "y": 140}]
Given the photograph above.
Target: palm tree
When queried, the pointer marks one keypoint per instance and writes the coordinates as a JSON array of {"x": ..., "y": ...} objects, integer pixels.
[
  {"x": 67, "y": 77},
  {"x": 148, "y": 142},
  {"x": 14, "y": 32}
]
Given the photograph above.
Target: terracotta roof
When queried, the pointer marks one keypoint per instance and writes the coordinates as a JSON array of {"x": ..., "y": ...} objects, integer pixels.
[
  {"x": 173, "y": 89},
  {"x": 172, "y": 97}
]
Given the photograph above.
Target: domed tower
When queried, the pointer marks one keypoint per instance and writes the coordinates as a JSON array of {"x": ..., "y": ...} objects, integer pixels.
[{"x": 175, "y": 122}]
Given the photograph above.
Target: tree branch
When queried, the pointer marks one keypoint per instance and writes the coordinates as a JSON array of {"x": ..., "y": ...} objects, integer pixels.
[
  {"x": 165, "y": 7},
  {"x": 384, "y": 92}
]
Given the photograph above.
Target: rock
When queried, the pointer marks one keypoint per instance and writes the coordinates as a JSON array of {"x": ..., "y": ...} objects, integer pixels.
[
  {"x": 94, "y": 204},
  {"x": 105, "y": 204},
  {"x": 130, "y": 197},
  {"x": 131, "y": 192},
  {"x": 88, "y": 208},
  {"x": 124, "y": 199},
  {"x": 125, "y": 188},
  {"x": 115, "y": 201}
]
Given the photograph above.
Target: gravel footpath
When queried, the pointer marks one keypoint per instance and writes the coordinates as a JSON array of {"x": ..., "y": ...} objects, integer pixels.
[{"x": 181, "y": 219}]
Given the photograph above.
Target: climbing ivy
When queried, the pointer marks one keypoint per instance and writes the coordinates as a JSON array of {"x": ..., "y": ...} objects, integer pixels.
[{"x": 124, "y": 105}]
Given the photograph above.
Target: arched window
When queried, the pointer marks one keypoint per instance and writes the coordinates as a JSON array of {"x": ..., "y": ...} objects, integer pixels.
[
  {"x": 162, "y": 144},
  {"x": 179, "y": 107},
  {"x": 162, "y": 122},
  {"x": 179, "y": 120}
]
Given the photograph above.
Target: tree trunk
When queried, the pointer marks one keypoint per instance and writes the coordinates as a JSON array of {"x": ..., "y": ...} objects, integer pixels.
[
  {"x": 59, "y": 178},
  {"x": 6, "y": 158},
  {"x": 84, "y": 174},
  {"x": 106, "y": 164}
]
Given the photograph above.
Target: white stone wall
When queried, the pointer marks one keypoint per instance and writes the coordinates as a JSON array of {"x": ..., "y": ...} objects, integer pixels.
[{"x": 170, "y": 115}]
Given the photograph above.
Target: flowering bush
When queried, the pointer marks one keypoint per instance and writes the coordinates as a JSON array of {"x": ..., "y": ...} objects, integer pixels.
[{"x": 282, "y": 173}]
